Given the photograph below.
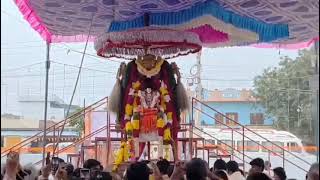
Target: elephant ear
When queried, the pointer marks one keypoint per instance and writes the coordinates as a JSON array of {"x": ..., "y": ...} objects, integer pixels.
[
  {"x": 181, "y": 93},
  {"x": 182, "y": 98},
  {"x": 115, "y": 96}
]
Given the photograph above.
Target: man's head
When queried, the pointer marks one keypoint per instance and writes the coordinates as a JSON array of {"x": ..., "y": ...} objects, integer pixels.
[
  {"x": 220, "y": 164},
  {"x": 258, "y": 176},
  {"x": 257, "y": 165},
  {"x": 163, "y": 166},
  {"x": 221, "y": 174},
  {"x": 279, "y": 174},
  {"x": 232, "y": 167},
  {"x": 138, "y": 170},
  {"x": 69, "y": 169},
  {"x": 196, "y": 169},
  {"x": 55, "y": 163},
  {"x": 313, "y": 173},
  {"x": 92, "y": 164}
]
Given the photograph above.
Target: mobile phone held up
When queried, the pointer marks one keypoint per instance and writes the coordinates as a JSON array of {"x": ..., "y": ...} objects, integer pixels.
[{"x": 84, "y": 173}]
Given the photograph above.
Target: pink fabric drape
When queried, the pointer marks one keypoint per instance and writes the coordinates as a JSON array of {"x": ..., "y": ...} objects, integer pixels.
[{"x": 209, "y": 35}]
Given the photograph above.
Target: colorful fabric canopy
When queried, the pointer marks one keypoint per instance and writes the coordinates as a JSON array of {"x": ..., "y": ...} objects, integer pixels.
[{"x": 243, "y": 21}]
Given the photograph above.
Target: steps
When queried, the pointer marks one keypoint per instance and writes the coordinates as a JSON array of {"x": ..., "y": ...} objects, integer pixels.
[
  {"x": 241, "y": 130},
  {"x": 54, "y": 128},
  {"x": 192, "y": 137}
]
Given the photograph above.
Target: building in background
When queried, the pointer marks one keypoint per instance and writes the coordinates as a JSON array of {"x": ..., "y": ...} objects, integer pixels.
[
  {"x": 239, "y": 105},
  {"x": 32, "y": 107},
  {"x": 15, "y": 130}
]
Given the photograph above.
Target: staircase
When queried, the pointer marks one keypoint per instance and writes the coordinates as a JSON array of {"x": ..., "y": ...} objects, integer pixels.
[
  {"x": 198, "y": 140},
  {"x": 56, "y": 127},
  {"x": 239, "y": 154},
  {"x": 79, "y": 142}
]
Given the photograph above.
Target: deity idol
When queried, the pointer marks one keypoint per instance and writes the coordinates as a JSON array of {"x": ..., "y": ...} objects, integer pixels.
[{"x": 148, "y": 100}]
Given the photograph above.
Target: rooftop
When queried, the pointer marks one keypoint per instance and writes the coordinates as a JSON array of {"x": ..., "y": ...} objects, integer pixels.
[
  {"x": 231, "y": 95},
  {"x": 53, "y": 98}
]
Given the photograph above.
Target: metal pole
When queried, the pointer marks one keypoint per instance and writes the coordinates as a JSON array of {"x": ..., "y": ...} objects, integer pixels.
[
  {"x": 243, "y": 161},
  {"x": 316, "y": 85},
  {"x": 203, "y": 144},
  {"x": 46, "y": 106},
  {"x": 283, "y": 158},
  {"x": 191, "y": 130},
  {"x": 232, "y": 144},
  {"x": 317, "y": 125},
  {"x": 84, "y": 117}
]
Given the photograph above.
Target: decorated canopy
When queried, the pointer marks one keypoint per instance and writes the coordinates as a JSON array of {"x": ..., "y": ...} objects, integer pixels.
[{"x": 217, "y": 22}]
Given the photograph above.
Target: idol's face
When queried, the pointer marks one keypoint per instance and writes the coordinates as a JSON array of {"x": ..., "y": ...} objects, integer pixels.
[{"x": 148, "y": 61}]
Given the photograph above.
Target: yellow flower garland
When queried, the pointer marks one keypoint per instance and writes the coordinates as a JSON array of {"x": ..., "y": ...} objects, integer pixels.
[
  {"x": 167, "y": 135},
  {"x": 166, "y": 152},
  {"x": 169, "y": 117},
  {"x": 160, "y": 123},
  {"x": 129, "y": 109},
  {"x": 135, "y": 124},
  {"x": 129, "y": 128},
  {"x": 136, "y": 85},
  {"x": 121, "y": 156},
  {"x": 163, "y": 91}
]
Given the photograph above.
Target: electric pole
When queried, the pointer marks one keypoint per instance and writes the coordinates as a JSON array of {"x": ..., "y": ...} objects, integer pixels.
[
  {"x": 198, "y": 89},
  {"x": 314, "y": 84}
]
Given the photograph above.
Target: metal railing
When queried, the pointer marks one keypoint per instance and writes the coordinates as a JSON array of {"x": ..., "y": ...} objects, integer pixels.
[
  {"x": 225, "y": 144},
  {"x": 243, "y": 128},
  {"x": 55, "y": 127},
  {"x": 78, "y": 142}
]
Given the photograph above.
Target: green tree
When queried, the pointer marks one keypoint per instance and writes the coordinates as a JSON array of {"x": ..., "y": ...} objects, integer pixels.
[
  {"x": 285, "y": 94},
  {"x": 78, "y": 121}
]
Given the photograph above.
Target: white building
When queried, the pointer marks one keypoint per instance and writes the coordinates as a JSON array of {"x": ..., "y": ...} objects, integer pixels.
[{"x": 32, "y": 107}]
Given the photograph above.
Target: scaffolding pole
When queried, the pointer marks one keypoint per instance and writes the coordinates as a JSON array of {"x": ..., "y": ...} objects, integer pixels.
[
  {"x": 315, "y": 85},
  {"x": 46, "y": 106}
]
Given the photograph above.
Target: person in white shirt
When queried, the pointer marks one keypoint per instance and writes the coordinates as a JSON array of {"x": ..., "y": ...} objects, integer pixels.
[{"x": 233, "y": 171}]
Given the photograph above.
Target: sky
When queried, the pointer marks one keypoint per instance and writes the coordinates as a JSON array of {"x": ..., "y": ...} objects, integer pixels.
[{"x": 23, "y": 54}]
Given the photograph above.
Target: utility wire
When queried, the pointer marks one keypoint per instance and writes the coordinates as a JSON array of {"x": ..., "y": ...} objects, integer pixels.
[
  {"x": 16, "y": 18},
  {"x": 84, "y": 67},
  {"x": 21, "y": 42},
  {"x": 22, "y": 67},
  {"x": 90, "y": 55},
  {"x": 75, "y": 87},
  {"x": 20, "y": 48}
]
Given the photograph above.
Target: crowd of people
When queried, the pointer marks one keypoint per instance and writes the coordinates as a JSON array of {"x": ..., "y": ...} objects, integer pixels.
[{"x": 195, "y": 169}]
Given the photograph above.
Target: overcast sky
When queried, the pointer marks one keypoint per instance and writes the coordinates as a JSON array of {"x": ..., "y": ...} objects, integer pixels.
[{"x": 23, "y": 54}]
